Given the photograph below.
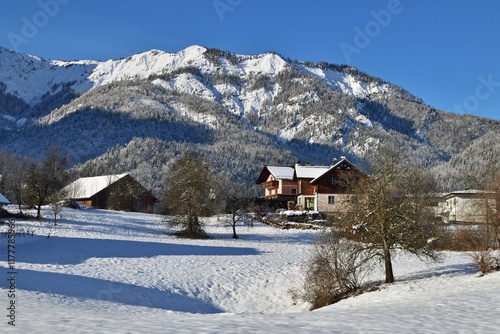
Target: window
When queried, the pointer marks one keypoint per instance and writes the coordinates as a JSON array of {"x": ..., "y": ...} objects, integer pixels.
[
  {"x": 354, "y": 199},
  {"x": 294, "y": 191},
  {"x": 309, "y": 203},
  {"x": 331, "y": 199},
  {"x": 353, "y": 180},
  {"x": 331, "y": 180}
]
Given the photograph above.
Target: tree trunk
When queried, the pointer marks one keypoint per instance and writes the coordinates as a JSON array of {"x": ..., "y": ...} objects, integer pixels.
[
  {"x": 38, "y": 214},
  {"x": 233, "y": 225},
  {"x": 235, "y": 236},
  {"x": 389, "y": 274}
]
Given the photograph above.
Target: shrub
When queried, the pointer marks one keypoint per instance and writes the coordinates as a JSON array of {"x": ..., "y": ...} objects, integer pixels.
[
  {"x": 334, "y": 272},
  {"x": 465, "y": 238},
  {"x": 486, "y": 261}
]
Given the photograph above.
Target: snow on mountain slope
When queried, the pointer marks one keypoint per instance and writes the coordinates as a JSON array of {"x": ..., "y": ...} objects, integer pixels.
[
  {"x": 143, "y": 65},
  {"x": 346, "y": 83},
  {"x": 187, "y": 83},
  {"x": 30, "y": 77},
  {"x": 268, "y": 63}
]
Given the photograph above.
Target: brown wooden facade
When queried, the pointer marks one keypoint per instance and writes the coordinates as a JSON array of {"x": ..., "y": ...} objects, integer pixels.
[
  {"x": 277, "y": 183},
  {"x": 319, "y": 188},
  {"x": 122, "y": 192}
]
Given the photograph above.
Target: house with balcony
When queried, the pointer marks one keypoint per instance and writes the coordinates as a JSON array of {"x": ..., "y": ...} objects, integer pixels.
[
  {"x": 278, "y": 184},
  {"x": 317, "y": 188}
]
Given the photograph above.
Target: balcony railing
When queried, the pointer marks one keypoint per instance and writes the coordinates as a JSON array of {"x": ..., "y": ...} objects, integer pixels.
[{"x": 270, "y": 184}]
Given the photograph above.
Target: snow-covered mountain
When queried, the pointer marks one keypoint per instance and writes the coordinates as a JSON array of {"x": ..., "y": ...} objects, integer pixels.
[
  {"x": 242, "y": 110},
  {"x": 32, "y": 78}
]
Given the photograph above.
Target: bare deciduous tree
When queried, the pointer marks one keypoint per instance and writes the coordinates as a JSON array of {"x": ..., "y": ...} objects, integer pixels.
[
  {"x": 392, "y": 211},
  {"x": 46, "y": 178}
]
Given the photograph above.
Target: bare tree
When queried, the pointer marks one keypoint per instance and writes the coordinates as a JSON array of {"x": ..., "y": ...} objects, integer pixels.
[
  {"x": 17, "y": 180},
  {"x": 4, "y": 170},
  {"x": 484, "y": 207},
  {"x": 392, "y": 212},
  {"x": 46, "y": 178},
  {"x": 491, "y": 202},
  {"x": 56, "y": 204},
  {"x": 190, "y": 194},
  {"x": 236, "y": 208}
]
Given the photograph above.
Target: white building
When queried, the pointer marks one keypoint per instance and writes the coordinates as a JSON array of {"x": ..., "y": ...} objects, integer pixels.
[{"x": 466, "y": 206}]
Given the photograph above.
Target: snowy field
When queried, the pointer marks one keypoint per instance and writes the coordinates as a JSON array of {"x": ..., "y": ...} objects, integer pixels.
[{"x": 114, "y": 272}]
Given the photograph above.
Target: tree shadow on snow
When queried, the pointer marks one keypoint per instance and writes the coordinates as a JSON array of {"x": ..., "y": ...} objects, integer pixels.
[
  {"x": 446, "y": 270},
  {"x": 135, "y": 225},
  {"x": 98, "y": 289},
  {"x": 60, "y": 250}
]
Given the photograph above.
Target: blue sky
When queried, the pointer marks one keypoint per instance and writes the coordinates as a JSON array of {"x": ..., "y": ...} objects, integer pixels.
[{"x": 445, "y": 52}]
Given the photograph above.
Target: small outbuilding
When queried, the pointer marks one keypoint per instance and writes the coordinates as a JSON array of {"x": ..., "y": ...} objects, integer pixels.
[{"x": 113, "y": 192}]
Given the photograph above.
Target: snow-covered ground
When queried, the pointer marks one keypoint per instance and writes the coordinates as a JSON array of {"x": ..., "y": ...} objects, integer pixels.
[{"x": 114, "y": 272}]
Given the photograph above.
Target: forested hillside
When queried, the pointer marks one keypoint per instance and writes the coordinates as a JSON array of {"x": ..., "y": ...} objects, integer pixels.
[{"x": 241, "y": 112}]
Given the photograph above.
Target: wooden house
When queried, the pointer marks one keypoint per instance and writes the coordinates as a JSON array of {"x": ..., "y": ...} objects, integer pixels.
[
  {"x": 333, "y": 188},
  {"x": 318, "y": 188},
  {"x": 306, "y": 196},
  {"x": 278, "y": 183},
  {"x": 115, "y": 192}
]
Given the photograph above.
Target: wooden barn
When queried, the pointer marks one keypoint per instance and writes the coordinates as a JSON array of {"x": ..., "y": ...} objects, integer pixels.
[{"x": 113, "y": 192}]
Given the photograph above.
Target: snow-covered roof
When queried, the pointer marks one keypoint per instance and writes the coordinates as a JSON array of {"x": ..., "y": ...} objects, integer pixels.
[
  {"x": 87, "y": 187},
  {"x": 466, "y": 192},
  {"x": 343, "y": 161},
  {"x": 282, "y": 173},
  {"x": 309, "y": 172},
  {"x": 3, "y": 200}
]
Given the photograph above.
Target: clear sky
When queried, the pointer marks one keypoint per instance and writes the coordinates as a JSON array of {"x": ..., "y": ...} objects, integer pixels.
[{"x": 445, "y": 52}]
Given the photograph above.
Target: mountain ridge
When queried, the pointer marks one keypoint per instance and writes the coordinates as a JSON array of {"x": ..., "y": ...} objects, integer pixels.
[{"x": 278, "y": 110}]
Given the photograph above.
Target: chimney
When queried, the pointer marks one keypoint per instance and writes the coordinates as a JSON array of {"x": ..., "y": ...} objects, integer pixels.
[
  {"x": 342, "y": 157},
  {"x": 334, "y": 161}
]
